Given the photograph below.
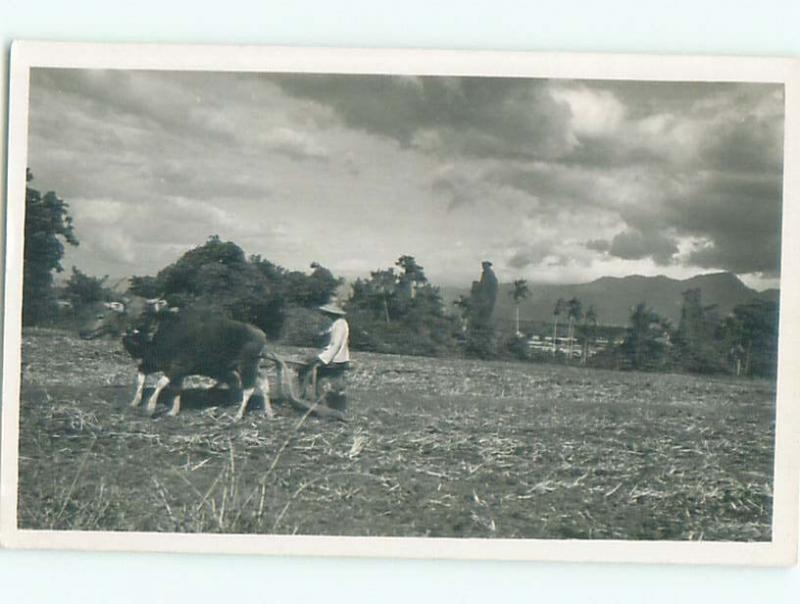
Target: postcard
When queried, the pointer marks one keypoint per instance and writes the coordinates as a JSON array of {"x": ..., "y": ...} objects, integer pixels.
[{"x": 397, "y": 303}]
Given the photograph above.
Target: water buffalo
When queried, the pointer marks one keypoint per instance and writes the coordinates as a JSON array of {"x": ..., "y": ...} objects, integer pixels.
[{"x": 189, "y": 342}]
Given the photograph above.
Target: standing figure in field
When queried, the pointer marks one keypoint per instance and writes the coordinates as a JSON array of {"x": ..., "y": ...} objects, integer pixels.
[
  {"x": 483, "y": 297},
  {"x": 488, "y": 287},
  {"x": 324, "y": 377}
]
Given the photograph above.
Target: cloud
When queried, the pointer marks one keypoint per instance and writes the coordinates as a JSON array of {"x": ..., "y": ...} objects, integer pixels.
[
  {"x": 593, "y": 112},
  {"x": 294, "y": 144},
  {"x": 746, "y": 145},
  {"x": 635, "y": 245},
  {"x": 469, "y": 184},
  {"x": 707, "y": 166},
  {"x": 598, "y": 245},
  {"x": 533, "y": 254},
  {"x": 550, "y": 177},
  {"x": 737, "y": 215},
  {"x": 481, "y": 117}
]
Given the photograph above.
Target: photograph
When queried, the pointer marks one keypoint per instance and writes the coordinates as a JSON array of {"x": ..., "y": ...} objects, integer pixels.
[{"x": 420, "y": 304}]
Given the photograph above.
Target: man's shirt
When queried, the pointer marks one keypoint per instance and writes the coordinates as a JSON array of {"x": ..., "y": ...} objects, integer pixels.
[{"x": 336, "y": 351}]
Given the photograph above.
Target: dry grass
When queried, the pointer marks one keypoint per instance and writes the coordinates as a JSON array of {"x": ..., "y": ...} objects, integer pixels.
[{"x": 435, "y": 447}]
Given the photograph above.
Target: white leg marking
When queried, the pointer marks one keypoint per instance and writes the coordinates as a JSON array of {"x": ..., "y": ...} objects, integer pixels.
[
  {"x": 246, "y": 394},
  {"x": 263, "y": 390},
  {"x": 162, "y": 383},
  {"x": 137, "y": 397},
  {"x": 176, "y": 405}
]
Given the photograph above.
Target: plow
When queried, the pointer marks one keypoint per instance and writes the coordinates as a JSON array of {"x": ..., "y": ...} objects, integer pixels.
[{"x": 300, "y": 390}]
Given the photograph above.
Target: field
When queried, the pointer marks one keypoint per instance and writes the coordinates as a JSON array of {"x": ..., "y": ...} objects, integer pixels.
[{"x": 441, "y": 448}]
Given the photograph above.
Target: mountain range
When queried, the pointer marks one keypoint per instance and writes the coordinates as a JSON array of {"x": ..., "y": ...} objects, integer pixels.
[{"x": 614, "y": 297}]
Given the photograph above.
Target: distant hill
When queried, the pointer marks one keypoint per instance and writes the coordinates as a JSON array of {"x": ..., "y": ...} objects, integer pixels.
[{"x": 614, "y": 297}]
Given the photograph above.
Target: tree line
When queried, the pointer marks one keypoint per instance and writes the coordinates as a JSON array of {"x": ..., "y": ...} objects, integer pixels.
[
  {"x": 397, "y": 310},
  {"x": 745, "y": 342}
]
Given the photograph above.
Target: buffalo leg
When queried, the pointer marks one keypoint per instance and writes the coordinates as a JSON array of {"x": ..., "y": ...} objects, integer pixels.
[
  {"x": 234, "y": 381},
  {"x": 162, "y": 383},
  {"x": 176, "y": 384},
  {"x": 262, "y": 388},
  {"x": 247, "y": 394},
  {"x": 137, "y": 396}
]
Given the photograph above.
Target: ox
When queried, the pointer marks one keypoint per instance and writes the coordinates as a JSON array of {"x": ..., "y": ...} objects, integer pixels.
[{"x": 180, "y": 344}]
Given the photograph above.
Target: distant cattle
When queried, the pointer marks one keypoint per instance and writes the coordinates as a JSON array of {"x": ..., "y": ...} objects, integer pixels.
[{"x": 180, "y": 344}]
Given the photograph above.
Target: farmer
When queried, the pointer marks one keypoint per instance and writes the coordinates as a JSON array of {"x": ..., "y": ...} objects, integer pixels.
[{"x": 332, "y": 362}]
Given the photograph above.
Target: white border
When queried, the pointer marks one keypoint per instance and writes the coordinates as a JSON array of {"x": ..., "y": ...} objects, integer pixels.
[{"x": 782, "y": 550}]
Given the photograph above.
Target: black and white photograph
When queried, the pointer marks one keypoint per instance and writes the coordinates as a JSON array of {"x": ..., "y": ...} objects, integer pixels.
[{"x": 449, "y": 308}]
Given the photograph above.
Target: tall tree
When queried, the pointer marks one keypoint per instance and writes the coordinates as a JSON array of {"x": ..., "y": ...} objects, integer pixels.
[
  {"x": 47, "y": 225},
  {"x": 83, "y": 290},
  {"x": 518, "y": 293},
  {"x": 400, "y": 313},
  {"x": 699, "y": 345},
  {"x": 589, "y": 331},
  {"x": 558, "y": 310},
  {"x": 218, "y": 275},
  {"x": 377, "y": 295},
  {"x": 574, "y": 313},
  {"x": 647, "y": 340},
  {"x": 751, "y": 332},
  {"x": 301, "y": 289},
  {"x": 411, "y": 277}
]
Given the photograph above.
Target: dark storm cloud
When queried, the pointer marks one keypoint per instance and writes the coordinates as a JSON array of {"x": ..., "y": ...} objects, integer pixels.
[
  {"x": 635, "y": 245},
  {"x": 645, "y": 98},
  {"x": 740, "y": 218},
  {"x": 757, "y": 254},
  {"x": 737, "y": 216},
  {"x": 484, "y": 117},
  {"x": 751, "y": 145},
  {"x": 588, "y": 170},
  {"x": 712, "y": 172},
  {"x": 551, "y": 184},
  {"x": 598, "y": 245}
]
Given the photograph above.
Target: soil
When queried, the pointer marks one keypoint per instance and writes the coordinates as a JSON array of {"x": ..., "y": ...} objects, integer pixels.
[{"x": 434, "y": 447}]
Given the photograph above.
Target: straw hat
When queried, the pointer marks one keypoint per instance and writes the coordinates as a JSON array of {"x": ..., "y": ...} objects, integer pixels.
[{"x": 332, "y": 309}]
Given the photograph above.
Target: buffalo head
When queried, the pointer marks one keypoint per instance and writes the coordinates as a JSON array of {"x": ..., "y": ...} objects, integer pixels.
[{"x": 116, "y": 318}]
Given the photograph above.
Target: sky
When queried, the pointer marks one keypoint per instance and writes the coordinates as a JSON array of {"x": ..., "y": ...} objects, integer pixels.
[{"x": 560, "y": 181}]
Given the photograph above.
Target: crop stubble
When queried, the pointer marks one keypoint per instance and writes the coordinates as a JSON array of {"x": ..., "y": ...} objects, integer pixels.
[{"x": 435, "y": 447}]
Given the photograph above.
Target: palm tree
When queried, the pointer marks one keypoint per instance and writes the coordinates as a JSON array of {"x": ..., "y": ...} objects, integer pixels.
[
  {"x": 557, "y": 312},
  {"x": 648, "y": 337},
  {"x": 590, "y": 324},
  {"x": 574, "y": 312},
  {"x": 519, "y": 293}
]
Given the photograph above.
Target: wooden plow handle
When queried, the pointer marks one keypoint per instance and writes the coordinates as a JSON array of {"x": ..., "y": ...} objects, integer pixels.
[{"x": 288, "y": 390}]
